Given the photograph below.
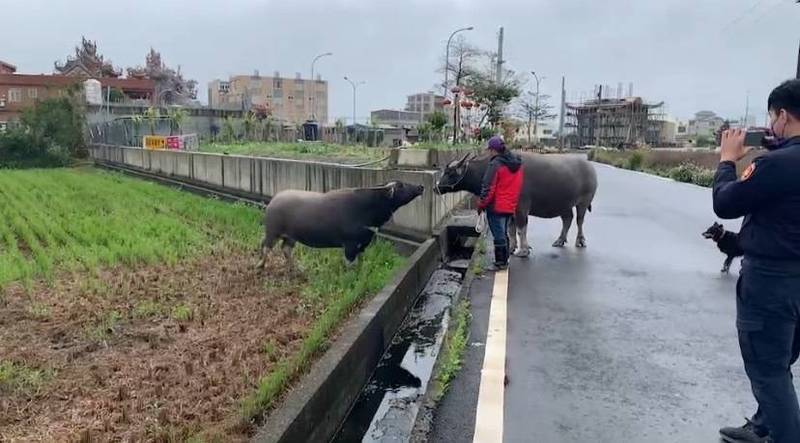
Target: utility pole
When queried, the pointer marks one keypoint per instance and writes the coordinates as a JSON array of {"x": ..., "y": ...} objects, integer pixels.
[
  {"x": 499, "y": 74},
  {"x": 798, "y": 61},
  {"x": 746, "y": 109},
  {"x": 561, "y": 117},
  {"x": 536, "y": 109}
]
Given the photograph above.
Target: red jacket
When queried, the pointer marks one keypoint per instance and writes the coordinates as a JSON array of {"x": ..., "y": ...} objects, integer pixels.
[{"x": 502, "y": 184}]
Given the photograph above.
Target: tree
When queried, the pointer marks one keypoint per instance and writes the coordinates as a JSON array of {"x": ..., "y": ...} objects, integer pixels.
[
  {"x": 462, "y": 62},
  {"x": 437, "y": 121},
  {"x": 492, "y": 95},
  {"x": 425, "y": 131},
  {"x": 228, "y": 131},
  {"x": 248, "y": 122},
  {"x": 152, "y": 115},
  {"x": 59, "y": 121},
  {"x": 176, "y": 117},
  {"x": 534, "y": 108},
  {"x": 459, "y": 66},
  {"x": 137, "y": 121}
]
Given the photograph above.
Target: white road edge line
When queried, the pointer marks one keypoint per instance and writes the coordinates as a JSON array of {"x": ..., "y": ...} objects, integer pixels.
[{"x": 491, "y": 395}]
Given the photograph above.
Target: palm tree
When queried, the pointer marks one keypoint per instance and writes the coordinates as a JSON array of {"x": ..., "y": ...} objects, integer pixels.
[
  {"x": 248, "y": 122},
  {"x": 268, "y": 127},
  {"x": 136, "y": 121},
  {"x": 152, "y": 114},
  {"x": 177, "y": 116},
  {"x": 228, "y": 131}
]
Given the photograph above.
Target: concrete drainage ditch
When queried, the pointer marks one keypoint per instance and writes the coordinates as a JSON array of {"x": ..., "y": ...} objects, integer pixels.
[{"x": 387, "y": 407}]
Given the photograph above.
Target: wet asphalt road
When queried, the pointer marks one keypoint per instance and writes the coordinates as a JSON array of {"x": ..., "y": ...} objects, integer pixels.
[{"x": 633, "y": 339}]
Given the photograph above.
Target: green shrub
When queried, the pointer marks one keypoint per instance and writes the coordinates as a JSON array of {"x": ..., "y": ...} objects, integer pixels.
[
  {"x": 20, "y": 149},
  {"x": 683, "y": 173},
  {"x": 691, "y": 173},
  {"x": 635, "y": 161},
  {"x": 704, "y": 177}
]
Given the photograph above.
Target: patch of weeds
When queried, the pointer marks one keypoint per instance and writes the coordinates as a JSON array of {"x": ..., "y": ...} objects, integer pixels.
[
  {"x": 182, "y": 313},
  {"x": 338, "y": 290},
  {"x": 39, "y": 311},
  {"x": 106, "y": 327},
  {"x": 453, "y": 350},
  {"x": 147, "y": 308},
  {"x": 20, "y": 378},
  {"x": 270, "y": 350},
  {"x": 482, "y": 245}
]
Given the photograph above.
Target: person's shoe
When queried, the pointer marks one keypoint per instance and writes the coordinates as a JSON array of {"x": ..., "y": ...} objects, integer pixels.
[
  {"x": 500, "y": 258},
  {"x": 748, "y": 433}
]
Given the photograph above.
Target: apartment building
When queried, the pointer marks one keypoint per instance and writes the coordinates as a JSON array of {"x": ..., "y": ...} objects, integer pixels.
[{"x": 291, "y": 100}]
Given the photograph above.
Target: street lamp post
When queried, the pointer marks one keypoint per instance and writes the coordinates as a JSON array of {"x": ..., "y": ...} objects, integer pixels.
[
  {"x": 447, "y": 55},
  {"x": 536, "y": 109},
  {"x": 354, "y": 85},
  {"x": 314, "y": 85}
]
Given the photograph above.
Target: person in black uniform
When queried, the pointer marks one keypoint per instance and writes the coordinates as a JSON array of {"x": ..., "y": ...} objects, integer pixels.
[{"x": 768, "y": 291}]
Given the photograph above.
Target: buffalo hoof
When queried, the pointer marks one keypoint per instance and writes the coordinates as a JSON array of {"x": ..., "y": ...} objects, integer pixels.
[
  {"x": 522, "y": 252},
  {"x": 580, "y": 242},
  {"x": 559, "y": 243}
]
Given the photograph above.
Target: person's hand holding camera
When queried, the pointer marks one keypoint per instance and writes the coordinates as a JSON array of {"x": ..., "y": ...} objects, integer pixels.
[{"x": 732, "y": 146}]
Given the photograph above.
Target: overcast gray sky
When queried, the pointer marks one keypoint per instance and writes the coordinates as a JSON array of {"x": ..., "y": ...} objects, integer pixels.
[{"x": 692, "y": 54}]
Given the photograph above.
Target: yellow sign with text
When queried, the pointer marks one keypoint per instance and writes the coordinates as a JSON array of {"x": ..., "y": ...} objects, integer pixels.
[{"x": 155, "y": 142}]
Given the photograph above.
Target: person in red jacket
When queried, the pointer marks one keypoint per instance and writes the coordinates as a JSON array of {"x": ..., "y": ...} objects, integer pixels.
[{"x": 500, "y": 190}]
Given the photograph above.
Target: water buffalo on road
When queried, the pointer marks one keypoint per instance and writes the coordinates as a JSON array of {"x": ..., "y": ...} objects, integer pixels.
[
  {"x": 553, "y": 184},
  {"x": 344, "y": 218}
]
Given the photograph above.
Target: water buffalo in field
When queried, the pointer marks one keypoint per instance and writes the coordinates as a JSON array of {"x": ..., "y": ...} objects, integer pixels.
[
  {"x": 344, "y": 218},
  {"x": 552, "y": 185}
]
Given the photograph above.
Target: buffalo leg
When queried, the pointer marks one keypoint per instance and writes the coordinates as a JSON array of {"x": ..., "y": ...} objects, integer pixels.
[
  {"x": 354, "y": 248},
  {"x": 512, "y": 235},
  {"x": 287, "y": 246},
  {"x": 580, "y": 241},
  {"x": 351, "y": 254},
  {"x": 521, "y": 229},
  {"x": 566, "y": 222},
  {"x": 266, "y": 245}
]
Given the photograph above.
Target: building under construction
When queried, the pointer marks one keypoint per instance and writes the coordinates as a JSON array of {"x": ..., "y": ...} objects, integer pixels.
[{"x": 615, "y": 122}]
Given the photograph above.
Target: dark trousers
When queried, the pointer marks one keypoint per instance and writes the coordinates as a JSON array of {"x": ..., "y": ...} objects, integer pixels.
[
  {"x": 768, "y": 321},
  {"x": 498, "y": 224}
]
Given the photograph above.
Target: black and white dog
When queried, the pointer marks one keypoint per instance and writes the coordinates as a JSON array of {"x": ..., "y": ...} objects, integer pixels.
[{"x": 727, "y": 242}]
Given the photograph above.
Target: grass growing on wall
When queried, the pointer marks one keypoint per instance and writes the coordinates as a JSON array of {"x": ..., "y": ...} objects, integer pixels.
[
  {"x": 339, "y": 291},
  {"x": 302, "y": 151}
]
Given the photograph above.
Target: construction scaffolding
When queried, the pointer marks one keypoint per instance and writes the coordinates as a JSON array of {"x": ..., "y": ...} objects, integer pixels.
[{"x": 614, "y": 122}]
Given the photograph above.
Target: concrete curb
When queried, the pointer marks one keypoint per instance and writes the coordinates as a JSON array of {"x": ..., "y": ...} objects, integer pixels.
[
  {"x": 424, "y": 421},
  {"x": 316, "y": 406}
]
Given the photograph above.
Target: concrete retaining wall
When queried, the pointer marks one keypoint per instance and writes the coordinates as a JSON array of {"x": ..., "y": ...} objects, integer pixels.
[
  {"x": 314, "y": 409},
  {"x": 267, "y": 176}
]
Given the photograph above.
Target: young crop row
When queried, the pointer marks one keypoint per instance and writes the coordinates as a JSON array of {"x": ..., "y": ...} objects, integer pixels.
[{"x": 57, "y": 220}]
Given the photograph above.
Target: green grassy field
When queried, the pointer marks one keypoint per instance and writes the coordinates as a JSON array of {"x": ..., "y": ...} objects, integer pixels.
[
  {"x": 301, "y": 151},
  {"x": 103, "y": 258},
  {"x": 81, "y": 219}
]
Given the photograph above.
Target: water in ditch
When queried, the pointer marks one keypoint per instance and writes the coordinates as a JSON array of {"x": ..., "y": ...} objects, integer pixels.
[{"x": 388, "y": 405}]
